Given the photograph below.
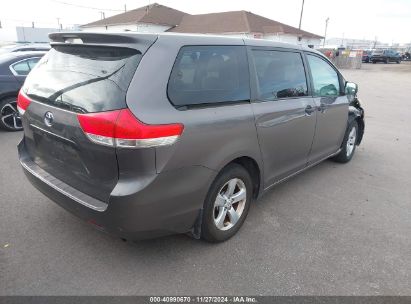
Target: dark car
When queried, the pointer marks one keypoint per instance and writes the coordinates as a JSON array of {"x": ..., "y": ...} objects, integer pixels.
[
  {"x": 27, "y": 47},
  {"x": 14, "y": 68},
  {"x": 145, "y": 135},
  {"x": 406, "y": 56},
  {"x": 366, "y": 56},
  {"x": 385, "y": 56}
]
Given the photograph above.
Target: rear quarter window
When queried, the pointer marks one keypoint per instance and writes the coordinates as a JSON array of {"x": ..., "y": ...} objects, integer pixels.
[{"x": 209, "y": 75}]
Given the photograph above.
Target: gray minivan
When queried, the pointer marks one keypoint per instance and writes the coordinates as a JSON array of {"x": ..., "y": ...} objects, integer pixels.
[{"x": 147, "y": 135}]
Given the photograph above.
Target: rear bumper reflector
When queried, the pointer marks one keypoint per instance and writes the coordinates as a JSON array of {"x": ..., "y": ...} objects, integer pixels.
[{"x": 132, "y": 143}]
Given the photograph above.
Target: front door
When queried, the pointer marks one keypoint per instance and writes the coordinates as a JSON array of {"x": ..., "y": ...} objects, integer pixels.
[
  {"x": 285, "y": 115},
  {"x": 332, "y": 108}
]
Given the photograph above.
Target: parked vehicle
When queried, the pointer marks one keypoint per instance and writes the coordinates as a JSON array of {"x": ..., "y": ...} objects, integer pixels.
[
  {"x": 14, "y": 68},
  {"x": 26, "y": 47},
  {"x": 366, "y": 55},
  {"x": 148, "y": 135},
  {"x": 385, "y": 56}
]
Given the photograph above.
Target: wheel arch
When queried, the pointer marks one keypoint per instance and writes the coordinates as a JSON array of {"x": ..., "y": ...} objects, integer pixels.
[
  {"x": 357, "y": 113},
  {"x": 252, "y": 167},
  {"x": 8, "y": 95}
]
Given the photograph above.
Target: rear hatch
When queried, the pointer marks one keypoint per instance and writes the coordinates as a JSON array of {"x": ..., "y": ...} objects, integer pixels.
[{"x": 74, "y": 81}]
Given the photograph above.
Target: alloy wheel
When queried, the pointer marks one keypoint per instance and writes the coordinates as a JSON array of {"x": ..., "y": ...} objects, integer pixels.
[
  {"x": 10, "y": 116},
  {"x": 352, "y": 137},
  {"x": 229, "y": 204}
]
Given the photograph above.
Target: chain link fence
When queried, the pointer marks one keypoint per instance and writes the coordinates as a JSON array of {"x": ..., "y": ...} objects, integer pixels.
[{"x": 344, "y": 59}]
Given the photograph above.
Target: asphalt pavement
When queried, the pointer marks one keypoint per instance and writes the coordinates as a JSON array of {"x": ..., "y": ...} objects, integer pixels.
[{"x": 332, "y": 230}]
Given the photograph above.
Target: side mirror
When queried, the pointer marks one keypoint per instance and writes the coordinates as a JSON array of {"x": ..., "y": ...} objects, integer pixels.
[{"x": 351, "y": 90}]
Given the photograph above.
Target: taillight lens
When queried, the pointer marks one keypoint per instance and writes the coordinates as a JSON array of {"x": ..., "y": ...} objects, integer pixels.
[
  {"x": 23, "y": 102},
  {"x": 122, "y": 129}
]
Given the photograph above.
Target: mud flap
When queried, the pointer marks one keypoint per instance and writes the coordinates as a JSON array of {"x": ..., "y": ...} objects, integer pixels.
[{"x": 195, "y": 231}]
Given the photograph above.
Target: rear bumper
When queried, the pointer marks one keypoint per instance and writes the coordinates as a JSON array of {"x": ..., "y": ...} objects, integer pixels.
[{"x": 157, "y": 205}]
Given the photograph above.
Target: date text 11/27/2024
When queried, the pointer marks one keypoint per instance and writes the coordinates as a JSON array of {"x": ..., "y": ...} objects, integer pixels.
[{"x": 204, "y": 299}]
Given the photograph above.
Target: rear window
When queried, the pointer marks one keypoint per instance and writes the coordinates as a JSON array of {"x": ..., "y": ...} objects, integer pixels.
[
  {"x": 209, "y": 75},
  {"x": 83, "y": 79}
]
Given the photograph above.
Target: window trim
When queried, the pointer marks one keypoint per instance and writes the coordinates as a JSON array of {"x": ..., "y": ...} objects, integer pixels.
[
  {"x": 13, "y": 71},
  {"x": 340, "y": 77},
  {"x": 255, "y": 96},
  {"x": 214, "y": 104}
]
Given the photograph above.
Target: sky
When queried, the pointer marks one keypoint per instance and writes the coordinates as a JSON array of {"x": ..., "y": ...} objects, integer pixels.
[{"x": 388, "y": 20}]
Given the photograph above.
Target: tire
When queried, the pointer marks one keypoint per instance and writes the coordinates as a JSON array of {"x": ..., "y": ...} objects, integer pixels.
[
  {"x": 398, "y": 61},
  {"x": 9, "y": 116},
  {"x": 349, "y": 144},
  {"x": 374, "y": 62},
  {"x": 386, "y": 61},
  {"x": 219, "y": 222}
]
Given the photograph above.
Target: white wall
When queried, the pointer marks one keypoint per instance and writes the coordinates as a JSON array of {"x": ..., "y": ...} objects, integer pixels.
[
  {"x": 287, "y": 38},
  {"x": 8, "y": 35},
  {"x": 139, "y": 27},
  {"x": 312, "y": 41},
  {"x": 29, "y": 34}
]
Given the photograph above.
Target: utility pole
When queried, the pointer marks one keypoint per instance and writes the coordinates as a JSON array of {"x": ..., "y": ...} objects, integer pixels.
[
  {"x": 58, "y": 23},
  {"x": 375, "y": 42},
  {"x": 125, "y": 7},
  {"x": 0, "y": 25},
  {"x": 301, "y": 15},
  {"x": 325, "y": 33}
]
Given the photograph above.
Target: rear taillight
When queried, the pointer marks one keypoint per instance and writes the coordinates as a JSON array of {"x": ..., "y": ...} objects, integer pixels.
[
  {"x": 122, "y": 129},
  {"x": 23, "y": 102}
]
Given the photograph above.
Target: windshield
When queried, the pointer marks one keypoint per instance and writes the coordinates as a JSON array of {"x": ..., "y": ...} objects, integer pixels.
[
  {"x": 378, "y": 52},
  {"x": 83, "y": 78}
]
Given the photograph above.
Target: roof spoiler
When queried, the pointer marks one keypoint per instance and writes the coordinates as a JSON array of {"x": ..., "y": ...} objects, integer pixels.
[{"x": 140, "y": 42}]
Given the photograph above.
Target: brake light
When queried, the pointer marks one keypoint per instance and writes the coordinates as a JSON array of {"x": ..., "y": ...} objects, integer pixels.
[
  {"x": 23, "y": 102},
  {"x": 122, "y": 129}
]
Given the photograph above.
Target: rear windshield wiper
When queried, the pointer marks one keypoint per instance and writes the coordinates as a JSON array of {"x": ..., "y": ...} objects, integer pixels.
[{"x": 80, "y": 84}]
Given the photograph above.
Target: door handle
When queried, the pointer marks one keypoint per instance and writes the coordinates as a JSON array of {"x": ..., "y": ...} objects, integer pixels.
[{"x": 309, "y": 109}]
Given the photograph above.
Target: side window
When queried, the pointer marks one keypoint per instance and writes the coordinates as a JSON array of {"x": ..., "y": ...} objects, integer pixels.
[
  {"x": 325, "y": 78},
  {"x": 209, "y": 74},
  {"x": 21, "y": 68},
  {"x": 32, "y": 62},
  {"x": 280, "y": 74}
]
